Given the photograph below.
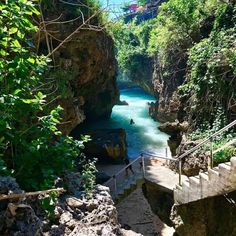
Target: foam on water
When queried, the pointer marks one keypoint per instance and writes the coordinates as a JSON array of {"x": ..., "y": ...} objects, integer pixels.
[{"x": 143, "y": 135}]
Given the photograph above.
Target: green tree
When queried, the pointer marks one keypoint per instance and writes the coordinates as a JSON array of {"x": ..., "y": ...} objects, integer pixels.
[{"x": 32, "y": 149}]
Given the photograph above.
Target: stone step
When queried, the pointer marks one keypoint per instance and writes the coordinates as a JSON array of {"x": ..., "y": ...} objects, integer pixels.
[
  {"x": 204, "y": 184},
  {"x": 224, "y": 170},
  {"x": 195, "y": 190},
  {"x": 204, "y": 176},
  {"x": 226, "y": 166},
  {"x": 213, "y": 175},
  {"x": 178, "y": 194},
  {"x": 185, "y": 189},
  {"x": 194, "y": 180},
  {"x": 217, "y": 181},
  {"x": 228, "y": 163},
  {"x": 233, "y": 162}
]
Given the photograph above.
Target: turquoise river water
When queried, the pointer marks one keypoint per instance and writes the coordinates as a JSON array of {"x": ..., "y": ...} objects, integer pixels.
[{"x": 143, "y": 136}]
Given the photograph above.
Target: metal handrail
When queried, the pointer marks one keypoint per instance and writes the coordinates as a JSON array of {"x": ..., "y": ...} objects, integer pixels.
[
  {"x": 178, "y": 159},
  {"x": 156, "y": 155},
  {"x": 207, "y": 140},
  {"x": 131, "y": 163},
  {"x": 112, "y": 182}
]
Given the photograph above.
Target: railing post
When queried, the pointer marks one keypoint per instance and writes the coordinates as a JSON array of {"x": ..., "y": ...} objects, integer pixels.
[
  {"x": 210, "y": 164},
  {"x": 143, "y": 167},
  {"x": 167, "y": 161},
  {"x": 180, "y": 172},
  {"x": 115, "y": 184}
]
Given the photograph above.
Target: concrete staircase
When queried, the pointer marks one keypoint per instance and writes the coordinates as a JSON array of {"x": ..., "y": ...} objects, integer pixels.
[
  {"x": 217, "y": 181},
  {"x": 125, "y": 190}
]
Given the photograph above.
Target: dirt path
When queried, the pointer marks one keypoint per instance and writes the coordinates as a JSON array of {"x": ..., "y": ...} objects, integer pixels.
[{"x": 135, "y": 212}]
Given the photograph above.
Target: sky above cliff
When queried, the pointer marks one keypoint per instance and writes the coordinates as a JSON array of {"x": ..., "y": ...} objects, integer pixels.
[{"x": 114, "y": 6}]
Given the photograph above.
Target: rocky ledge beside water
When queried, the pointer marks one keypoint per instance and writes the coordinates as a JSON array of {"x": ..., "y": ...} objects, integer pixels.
[{"x": 72, "y": 215}]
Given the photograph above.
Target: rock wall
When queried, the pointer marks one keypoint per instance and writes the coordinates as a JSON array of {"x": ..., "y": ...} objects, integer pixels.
[
  {"x": 165, "y": 85},
  {"x": 70, "y": 215},
  {"x": 160, "y": 200},
  {"x": 213, "y": 216},
  {"x": 108, "y": 145},
  {"x": 208, "y": 217},
  {"x": 84, "y": 66}
]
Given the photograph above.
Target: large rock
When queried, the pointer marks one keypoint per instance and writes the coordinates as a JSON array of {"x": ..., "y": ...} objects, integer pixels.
[
  {"x": 160, "y": 200},
  {"x": 94, "y": 216},
  {"x": 172, "y": 128},
  {"x": 166, "y": 84},
  {"x": 85, "y": 66},
  {"x": 212, "y": 216},
  {"x": 8, "y": 185},
  {"x": 139, "y": 75},
  {"x": 193, "y": 163},
  {"x": 175, "y": 130},
  {"x": 108, "y": 145}
]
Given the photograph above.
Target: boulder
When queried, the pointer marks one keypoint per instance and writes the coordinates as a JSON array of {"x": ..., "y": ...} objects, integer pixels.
[
  {"x": 94, "y": 216},
  {"x": 122, "y": 103},
  {"x": 172, "y": 128},
  {"x": 193, "y": 163},
  {"x": 108, "y": 145},
  {"x": 8, "y": 185},
  {"x": 210, "y": 216},
  {"x": 175, "y": 130}
]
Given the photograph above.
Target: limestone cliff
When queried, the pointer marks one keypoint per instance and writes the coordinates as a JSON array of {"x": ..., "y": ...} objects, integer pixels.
[
  {"x": 211, "y": 216},
  {"x": 84, "y": 68},
  {"x": 165, "y": 86}
]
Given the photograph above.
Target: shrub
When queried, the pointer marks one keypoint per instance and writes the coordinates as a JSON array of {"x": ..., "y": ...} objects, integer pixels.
[{"x": 32, "y": 149}]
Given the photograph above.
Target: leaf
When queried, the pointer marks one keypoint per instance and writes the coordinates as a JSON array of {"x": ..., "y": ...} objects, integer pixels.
[
  {"x": 31, "y": 60},
  {"x": 13, "y": 30},
  {"x": 16, "y": 43},
  {"x": 29, "y": 101},
  {"x": 17, "y": 91},
  {"x": 3, "y": 52}
]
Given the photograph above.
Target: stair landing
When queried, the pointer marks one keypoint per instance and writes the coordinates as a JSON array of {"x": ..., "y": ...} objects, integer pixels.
[{"x": 163, "y": 177}]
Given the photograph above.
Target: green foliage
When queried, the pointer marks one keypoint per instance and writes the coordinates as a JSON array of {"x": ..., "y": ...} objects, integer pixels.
[
  {"x": 224, "y": 155},
  {"x": 32, "y": 148},
  {"x": 224, "y": 151},
  {"x": 206, "y": 129},
  {"x": 198, "y": 36},
  {"x": 131, "y": 41},
  {"x": 142, "y": 2},
  {"x": 211, "y": 82},
  {"x": 48, "y": 204},
  {"x": 88, "y": 175},
  {"x": 178, "y": 25}
]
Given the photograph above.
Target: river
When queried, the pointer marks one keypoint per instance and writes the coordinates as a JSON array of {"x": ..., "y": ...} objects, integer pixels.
[{"x": 143, "y": 136}]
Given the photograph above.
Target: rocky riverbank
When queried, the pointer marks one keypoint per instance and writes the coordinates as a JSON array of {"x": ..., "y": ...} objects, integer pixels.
[{"x": 68, "y": 215}]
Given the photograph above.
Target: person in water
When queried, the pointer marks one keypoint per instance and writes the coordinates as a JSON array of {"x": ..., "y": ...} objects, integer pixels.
[
  {"x": 131, "y": 122},
  {"x": 129, "y": 167}
]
